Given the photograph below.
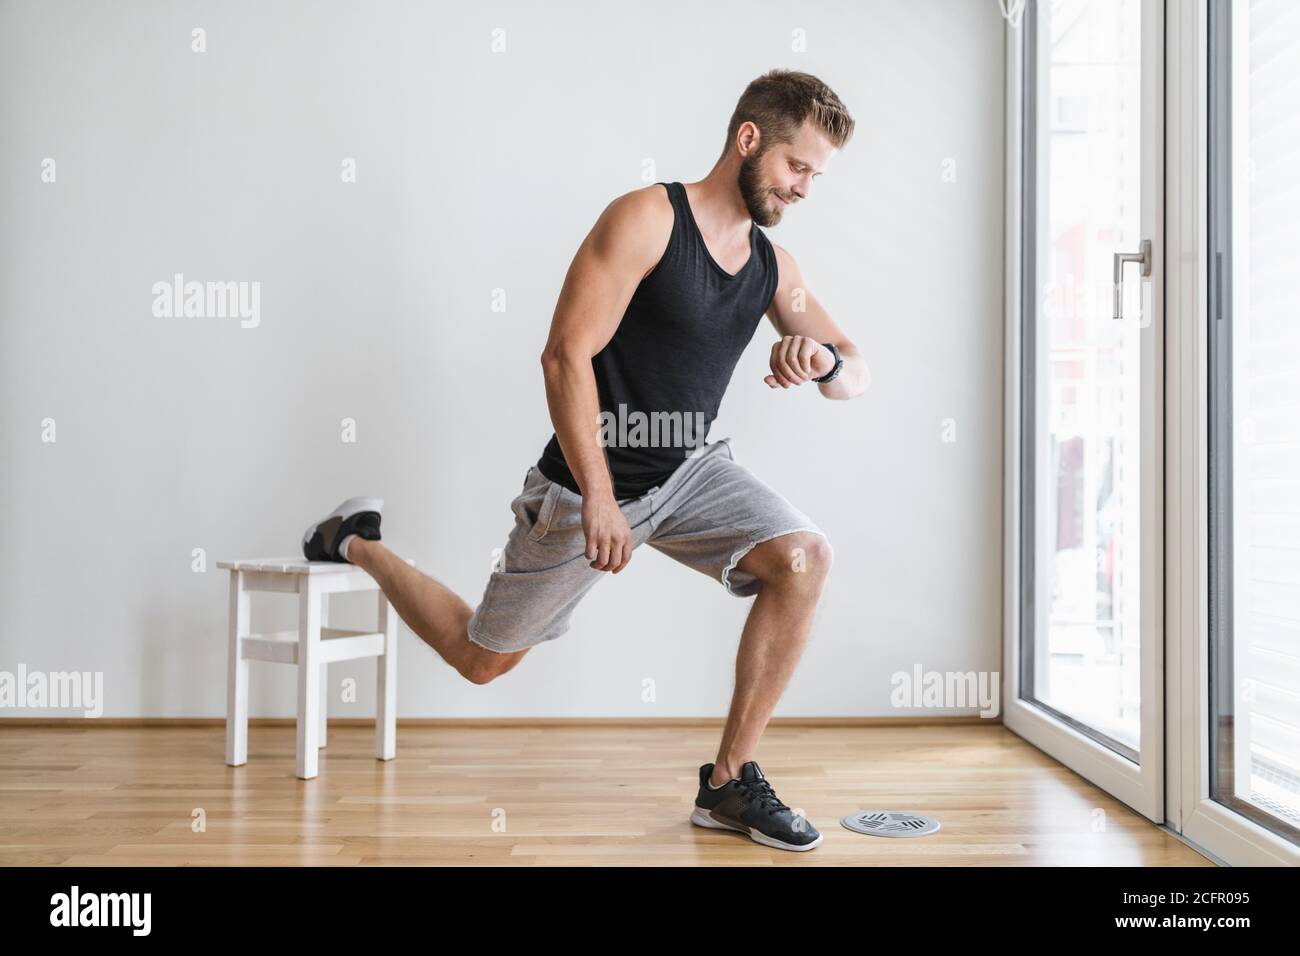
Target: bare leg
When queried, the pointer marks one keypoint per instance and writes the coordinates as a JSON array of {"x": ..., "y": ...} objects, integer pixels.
[
  {"x": 775, "y": 634},
  {"x": 435, "y": 614}
]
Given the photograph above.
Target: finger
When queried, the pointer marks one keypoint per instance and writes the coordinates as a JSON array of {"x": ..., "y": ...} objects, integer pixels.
[
  {"x": 801, "y": 358},
  {"x": 777, "y": 379},
  {"x": 786, "y": 374},
  {"x": 624, "y": 555},
  {"x": 792, "y": 359},
  {"x": 785, "y": 369},
  {"x": 807, "y": 350},
  {"x": 602, "y": 561},
  {"x": 774, "y": 361}
]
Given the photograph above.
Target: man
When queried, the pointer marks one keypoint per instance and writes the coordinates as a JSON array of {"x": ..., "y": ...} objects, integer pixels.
[{"x": 659, "y": 303}]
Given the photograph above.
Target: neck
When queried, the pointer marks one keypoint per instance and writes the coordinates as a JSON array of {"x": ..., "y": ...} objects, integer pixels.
[{"x": 717, "y": 203}]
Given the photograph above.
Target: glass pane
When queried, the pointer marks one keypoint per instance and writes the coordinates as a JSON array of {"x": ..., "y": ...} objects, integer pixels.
[
  {"x": 1255, "y": 659},
  {"x": 1087, "y": 424}
]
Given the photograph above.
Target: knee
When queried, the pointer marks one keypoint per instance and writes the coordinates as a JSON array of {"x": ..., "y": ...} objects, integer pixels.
[
  {"x": 480, "y": 673},
  {"x": 799, "y": 559},
  {"x": 486, "y": 666},
  {"x": 812, "y": 562},
  {"x": 819, "y": 553}
]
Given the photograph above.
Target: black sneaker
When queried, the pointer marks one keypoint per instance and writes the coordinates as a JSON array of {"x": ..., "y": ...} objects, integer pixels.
[
  {"x": 748, "y": 804},
  {"x": 359, "y": 516}
]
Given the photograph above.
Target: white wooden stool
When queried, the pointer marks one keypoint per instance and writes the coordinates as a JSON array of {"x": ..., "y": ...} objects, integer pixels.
[{"x": 313, "y": 647}]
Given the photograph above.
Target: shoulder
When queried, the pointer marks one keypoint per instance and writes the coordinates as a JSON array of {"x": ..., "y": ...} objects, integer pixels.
[
  {"x": 780, "y": 254},
  {"x": 640, "y": 221},
  {"x": 641, "y": 210},
  {"x": 787, "y": 268},
  {"x": 783, "y": 264}
]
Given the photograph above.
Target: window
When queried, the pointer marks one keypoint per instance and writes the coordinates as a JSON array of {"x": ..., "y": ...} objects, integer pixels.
[{"x": 1254, "y": 411}]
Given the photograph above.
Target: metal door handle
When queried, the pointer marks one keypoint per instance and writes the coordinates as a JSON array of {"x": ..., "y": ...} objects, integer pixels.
[{"x": 1143, "y": 257}]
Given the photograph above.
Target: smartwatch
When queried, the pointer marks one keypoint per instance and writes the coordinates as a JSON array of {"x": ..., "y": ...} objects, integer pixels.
[{"x": 835, "y": 371}]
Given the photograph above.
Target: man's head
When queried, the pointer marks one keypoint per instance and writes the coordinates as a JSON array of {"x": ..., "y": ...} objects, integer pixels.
[{"x": 785, "y": 129}]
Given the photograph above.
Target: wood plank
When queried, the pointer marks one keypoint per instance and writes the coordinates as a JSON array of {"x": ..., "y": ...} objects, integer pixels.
[{"x": 543, "y": 795}]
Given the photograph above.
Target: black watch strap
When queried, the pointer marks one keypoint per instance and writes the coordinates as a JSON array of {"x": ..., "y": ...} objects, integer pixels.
[{"x": 834, "y": 373}]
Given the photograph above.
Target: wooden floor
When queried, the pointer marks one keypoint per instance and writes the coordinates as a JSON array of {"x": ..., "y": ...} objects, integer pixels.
[{"x": 608, "y": 794}]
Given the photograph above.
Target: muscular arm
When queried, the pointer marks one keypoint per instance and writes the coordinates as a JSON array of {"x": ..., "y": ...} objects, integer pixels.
[
  {"x": 623, "y": 246},
  {"x": 804, "y": 324}
]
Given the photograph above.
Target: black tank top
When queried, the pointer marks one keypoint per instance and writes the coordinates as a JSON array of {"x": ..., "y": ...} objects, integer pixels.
[{"x": 662, "y": 375}]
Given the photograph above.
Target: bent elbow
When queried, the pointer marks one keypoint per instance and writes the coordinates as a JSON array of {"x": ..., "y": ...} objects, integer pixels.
[{"x": 560, "y": 358}]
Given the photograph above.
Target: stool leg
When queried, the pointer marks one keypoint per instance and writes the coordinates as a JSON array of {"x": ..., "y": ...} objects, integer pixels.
[
  {"x": 324, "y": 676},
  {"x": 386, "y": 684},
  {"x": 237, "y": 675},
  {"x": 309, "y": 664},
  {"x": 323, "y": 730}
]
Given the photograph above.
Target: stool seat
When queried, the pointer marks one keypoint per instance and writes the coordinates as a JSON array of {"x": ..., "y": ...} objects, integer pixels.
[
  {"x": 311, "y": 647},
  {"x": 288, "y": 565}
]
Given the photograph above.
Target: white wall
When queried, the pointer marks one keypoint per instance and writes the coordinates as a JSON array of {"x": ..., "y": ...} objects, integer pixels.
[{"x": 475, "y": 171}]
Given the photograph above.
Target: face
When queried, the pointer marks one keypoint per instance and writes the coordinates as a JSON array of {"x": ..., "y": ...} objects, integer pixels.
[{"x": 774, "y": 177}]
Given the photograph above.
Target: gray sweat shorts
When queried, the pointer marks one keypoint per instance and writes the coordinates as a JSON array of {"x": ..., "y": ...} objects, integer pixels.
[{"x": 708, "y": 514}]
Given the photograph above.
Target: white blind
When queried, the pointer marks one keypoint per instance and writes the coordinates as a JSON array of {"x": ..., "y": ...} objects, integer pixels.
[{"x": 1266, "y": 397}]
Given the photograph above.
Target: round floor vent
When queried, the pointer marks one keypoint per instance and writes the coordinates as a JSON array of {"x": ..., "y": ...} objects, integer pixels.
[{"x": 891, "y": 823}]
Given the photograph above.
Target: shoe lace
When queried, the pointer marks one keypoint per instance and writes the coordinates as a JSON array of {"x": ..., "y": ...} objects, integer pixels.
[{"x": 761, "y": 792}]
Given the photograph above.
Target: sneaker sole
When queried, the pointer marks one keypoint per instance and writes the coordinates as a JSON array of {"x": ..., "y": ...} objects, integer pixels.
[
  {"x": 701, "y": 818},
  {"x": 351, "y": 506}
]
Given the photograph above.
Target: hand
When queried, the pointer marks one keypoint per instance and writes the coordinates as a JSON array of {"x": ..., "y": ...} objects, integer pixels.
[
  {"x": 609, "y": 538},
  {"x": 797, "y": 359}
]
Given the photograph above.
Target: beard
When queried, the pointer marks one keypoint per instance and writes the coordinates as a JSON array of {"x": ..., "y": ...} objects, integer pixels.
[{"x": 756, "y": 193}]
